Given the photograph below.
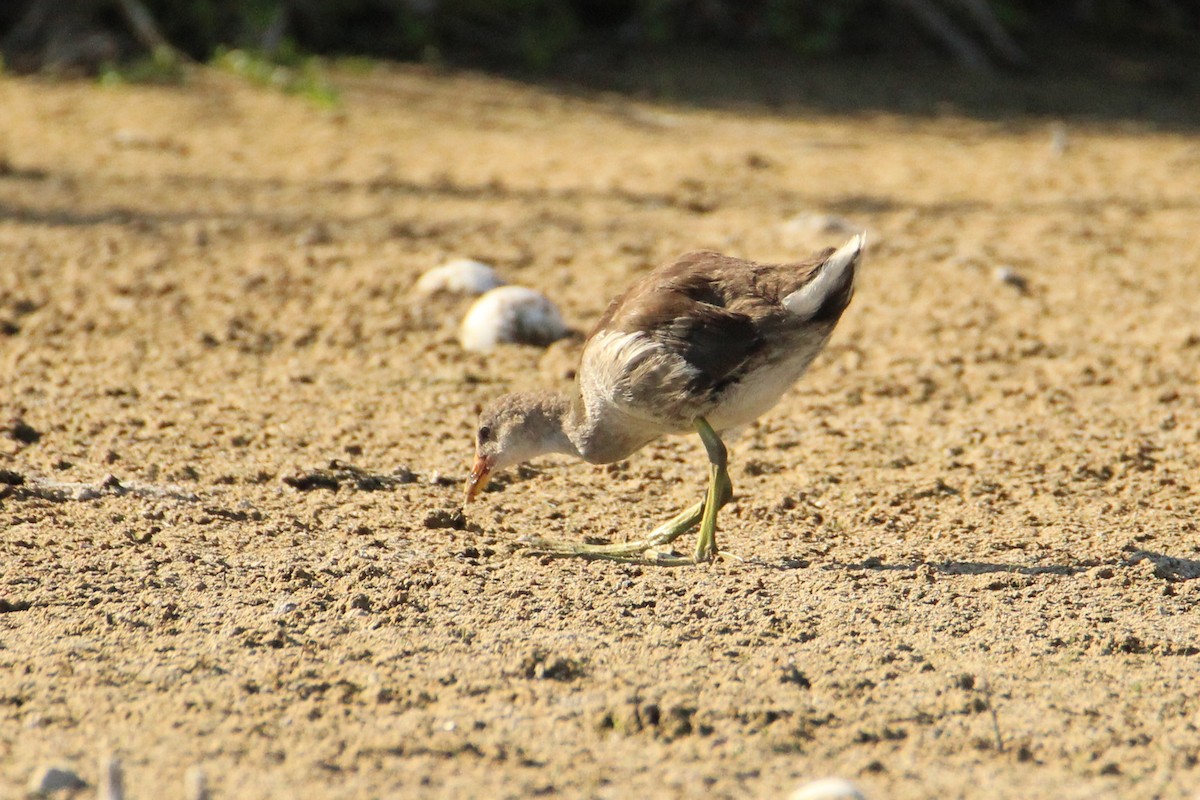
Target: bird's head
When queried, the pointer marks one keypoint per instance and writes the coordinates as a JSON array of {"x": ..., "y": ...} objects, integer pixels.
[{"x": 512, "y": 430}]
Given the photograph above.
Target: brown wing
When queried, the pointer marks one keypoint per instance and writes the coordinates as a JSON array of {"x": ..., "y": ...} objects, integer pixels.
[{"x": 683, "y": 308}]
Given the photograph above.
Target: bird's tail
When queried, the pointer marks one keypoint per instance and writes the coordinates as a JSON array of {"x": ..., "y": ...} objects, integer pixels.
[{"x": 828, "y": 291}]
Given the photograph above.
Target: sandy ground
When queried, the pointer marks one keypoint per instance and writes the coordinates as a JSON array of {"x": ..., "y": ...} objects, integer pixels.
[{"x": 967, "y": 557}]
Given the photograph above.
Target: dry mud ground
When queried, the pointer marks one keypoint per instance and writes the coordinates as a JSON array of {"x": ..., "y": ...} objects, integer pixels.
[{"x": 967, "y": 551}]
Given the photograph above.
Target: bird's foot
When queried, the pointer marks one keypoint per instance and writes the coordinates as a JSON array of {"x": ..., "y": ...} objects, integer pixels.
[
  {"x": 642, "y": 551},
  {"x": 639, "y": 551},
  {"x": 646, "y": 552}
]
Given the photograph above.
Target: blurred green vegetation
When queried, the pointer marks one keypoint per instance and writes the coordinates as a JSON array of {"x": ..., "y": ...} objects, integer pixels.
[
  {"x": 543, "y": 34},
  {"x": 284, "y": 69}
]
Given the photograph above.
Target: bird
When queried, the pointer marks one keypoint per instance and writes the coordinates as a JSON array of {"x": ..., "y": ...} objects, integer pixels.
[{"x": 705, "y": 343}]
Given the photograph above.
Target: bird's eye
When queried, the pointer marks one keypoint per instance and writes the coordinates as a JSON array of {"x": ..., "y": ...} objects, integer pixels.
[{"x": 485, "y": 433}]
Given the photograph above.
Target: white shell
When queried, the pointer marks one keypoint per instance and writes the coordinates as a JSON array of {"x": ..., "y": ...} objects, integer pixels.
[
  {"x": 828, "y": 789},
  {"x": 460, "y": 276},
  {"x": 511, "y": 314}
]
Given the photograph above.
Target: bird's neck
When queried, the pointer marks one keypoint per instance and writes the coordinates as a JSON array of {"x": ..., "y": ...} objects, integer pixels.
[{"x": 559, "y": 423}]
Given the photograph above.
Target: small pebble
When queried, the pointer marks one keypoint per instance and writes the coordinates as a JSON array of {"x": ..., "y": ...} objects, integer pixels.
[
  {"x": 48, "y": 780},
  {"x": 460, "y": 276},
  {"x": 828, "y": 789},
  {"x": 511, "y": 314},
  {"x": 285, "y": 607},
  {"x": 313, "y": 235},
  {"x": 441, "y": 518},
  {"x": 1011, "y": 277},
  {"x": 23, "y": 432}
]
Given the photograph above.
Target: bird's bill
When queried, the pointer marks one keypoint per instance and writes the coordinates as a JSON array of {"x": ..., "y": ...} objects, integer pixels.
[{"x": 480, "y": 473}]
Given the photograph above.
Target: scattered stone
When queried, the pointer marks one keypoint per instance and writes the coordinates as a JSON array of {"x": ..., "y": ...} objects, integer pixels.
[
  {"x": 462, "y": 276},
  {"x": 66, "y": 491},
  {"x": 539, "y": 665},
  {"x": 758, "y": 161},
  {"x": 404, "y": 475},
  {"x": 795, "y": 676},
  {"x": 316, "y": 479},
  {"x": 441, "y": 518},
  {"x": 9, "y": 606},
  {"x": 48, "y": 780},
  {"x": 828, "y": 789},
  {"x": 11, "y": 478},
  {"x": 513, "y": 315},
  {"x": 1009, "y": 276},
  {"x": 339, "y": 474},
  {"x": 285, "y": 607},
  {"x": 314, "y": 235},
  {"x": 23, "y": 432},
  {"x": 438, "y": 479}
]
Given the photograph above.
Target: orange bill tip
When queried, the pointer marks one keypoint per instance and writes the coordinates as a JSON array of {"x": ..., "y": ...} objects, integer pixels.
[{"x": 480, "y": 473}]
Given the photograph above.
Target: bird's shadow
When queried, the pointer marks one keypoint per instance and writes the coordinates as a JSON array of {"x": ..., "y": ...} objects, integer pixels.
[{"x": 1166, "y": 567}]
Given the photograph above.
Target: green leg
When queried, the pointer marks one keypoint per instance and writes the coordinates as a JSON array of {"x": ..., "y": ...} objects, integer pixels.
[
  {"x": 704, "y": 513},
  {"x": 720, "y": 490},
  {"x": 631, "y": 551}
]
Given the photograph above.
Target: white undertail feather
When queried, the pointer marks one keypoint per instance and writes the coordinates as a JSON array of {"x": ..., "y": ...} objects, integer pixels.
[{"x": 808, "y": 299}]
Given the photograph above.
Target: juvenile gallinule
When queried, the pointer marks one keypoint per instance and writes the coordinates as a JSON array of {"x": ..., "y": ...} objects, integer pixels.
[{"x": 707, "y": 343}]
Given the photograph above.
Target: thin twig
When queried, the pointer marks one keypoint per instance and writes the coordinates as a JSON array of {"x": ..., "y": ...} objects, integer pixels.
[
  {"x": 987, "y": 693},
  {"x": 146, "y": 30},
  {"x": 277, "y": 28},
  {"x": 985, "y": 20},
  {"x": 935, "y": 21}
]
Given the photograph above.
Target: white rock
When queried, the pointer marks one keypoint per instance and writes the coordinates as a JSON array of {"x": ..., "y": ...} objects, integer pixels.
[
  {"x": 828, "y": 789},
  {"x": 48, "y": 780},
  {"x": 1011, "y": 277},
  {"x": 285, "y": 607},
  {"x": 511, "y": 314},
  {"x": 460, "y": 276}
]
